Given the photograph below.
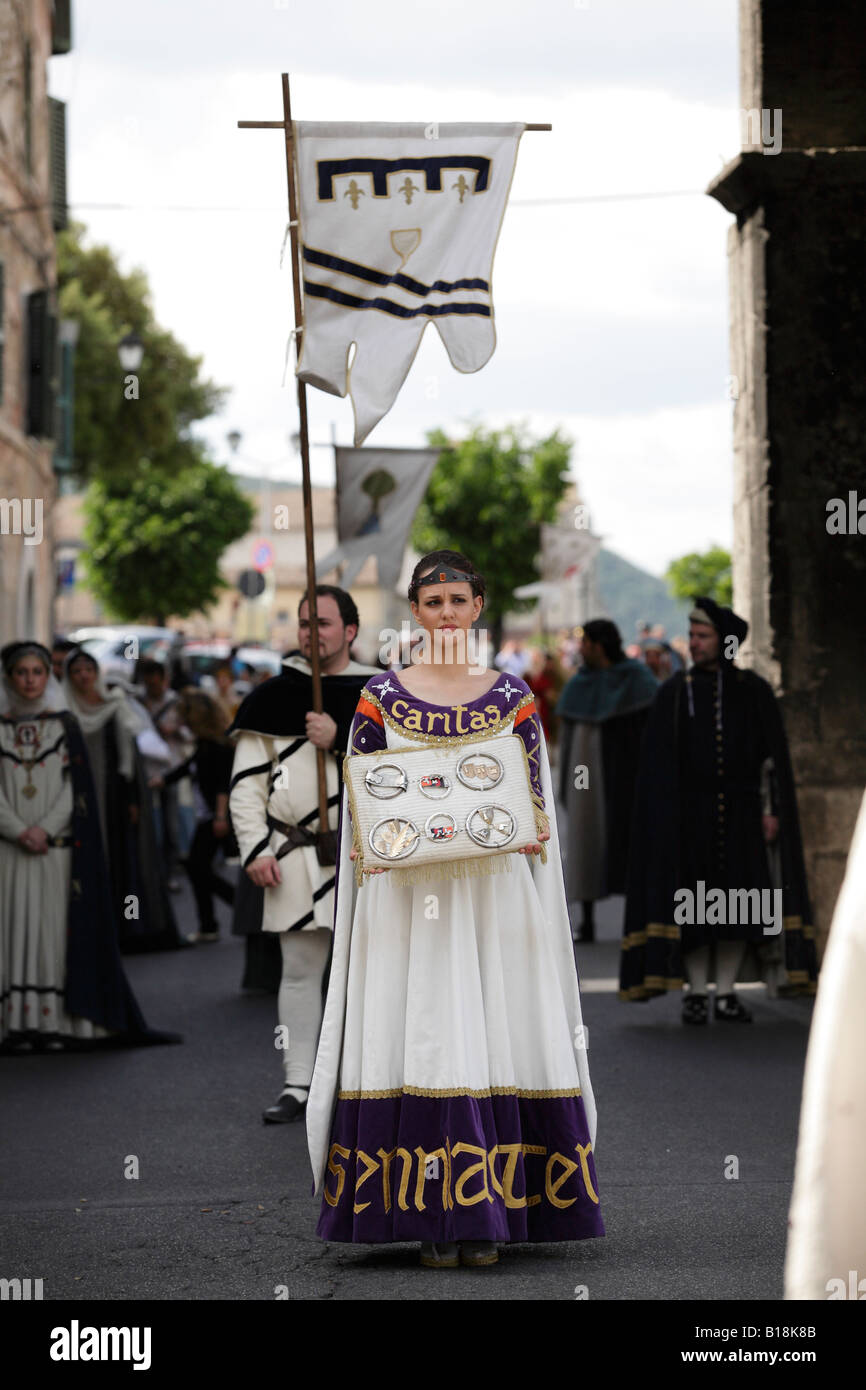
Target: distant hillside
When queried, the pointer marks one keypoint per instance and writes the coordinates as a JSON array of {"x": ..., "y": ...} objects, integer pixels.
[{"x": 630, "y": 595}]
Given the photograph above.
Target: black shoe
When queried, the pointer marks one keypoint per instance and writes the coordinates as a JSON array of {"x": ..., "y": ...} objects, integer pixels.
[
  {"x": 728, "y": 1009},
  {"x": 287, "y": 1108},
  {"x": 695, "y": 1008}
]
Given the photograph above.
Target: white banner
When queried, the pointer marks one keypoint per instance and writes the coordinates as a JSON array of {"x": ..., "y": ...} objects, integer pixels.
[
  {"x": 398, "y": 228},
  {"x": 378, "y": 494}
]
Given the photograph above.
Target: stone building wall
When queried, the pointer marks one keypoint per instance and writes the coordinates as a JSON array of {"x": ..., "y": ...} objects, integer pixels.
[
  {"x": 28, "y": 260},
  {"x": 798, "y": 354}
]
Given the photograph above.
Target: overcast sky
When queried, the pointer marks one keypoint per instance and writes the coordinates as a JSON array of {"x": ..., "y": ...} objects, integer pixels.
[{"x": 611, "y": 311}]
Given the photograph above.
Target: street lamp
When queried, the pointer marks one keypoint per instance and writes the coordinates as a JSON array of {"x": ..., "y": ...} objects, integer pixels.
[
  {"x": 130, "y": 350},
  {"x": 234, "y": 438}
]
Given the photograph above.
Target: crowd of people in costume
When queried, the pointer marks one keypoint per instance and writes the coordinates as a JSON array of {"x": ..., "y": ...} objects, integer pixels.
[{"x": 436, "y": 1058}]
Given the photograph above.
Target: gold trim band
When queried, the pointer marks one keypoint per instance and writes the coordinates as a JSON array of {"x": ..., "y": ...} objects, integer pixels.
[{"x": 447, "y": 1093}]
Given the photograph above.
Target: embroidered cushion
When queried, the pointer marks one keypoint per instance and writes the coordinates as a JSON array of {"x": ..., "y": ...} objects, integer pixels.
[{"x": 423, "y": 808}]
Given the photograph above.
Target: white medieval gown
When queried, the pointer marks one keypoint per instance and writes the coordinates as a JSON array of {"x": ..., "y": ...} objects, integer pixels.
[
  {"x": 451, "y": 1097},
  {"x": 35, "y": 789}
]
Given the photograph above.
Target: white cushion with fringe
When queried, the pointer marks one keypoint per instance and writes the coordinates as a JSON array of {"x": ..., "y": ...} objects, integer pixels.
[{"x": 453, "y": 810}]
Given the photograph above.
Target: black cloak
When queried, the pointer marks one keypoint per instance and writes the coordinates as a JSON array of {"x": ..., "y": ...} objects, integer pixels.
[
  {"x": 698, "y": 818},
  {"x": 133, "y": 857},
  {"x": 96, "y": 985},
  {"x": 618, "y": 699}
]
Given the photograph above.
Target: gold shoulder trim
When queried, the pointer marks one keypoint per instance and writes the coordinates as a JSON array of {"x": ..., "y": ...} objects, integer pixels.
[{"x": 447, "y": 740}]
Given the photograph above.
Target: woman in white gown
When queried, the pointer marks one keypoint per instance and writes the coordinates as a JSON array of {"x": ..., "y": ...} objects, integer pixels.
[
  {"x": 61, "y": 980},
  {"x": 451, "y": 1101}
]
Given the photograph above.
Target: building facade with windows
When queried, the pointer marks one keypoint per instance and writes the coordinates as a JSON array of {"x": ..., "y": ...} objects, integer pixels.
[{"x": 32, "y": 210}]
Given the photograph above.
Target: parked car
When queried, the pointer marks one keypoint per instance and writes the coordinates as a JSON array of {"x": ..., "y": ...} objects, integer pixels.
[
  {"x": 199, "y": 659},
  {"x": 118, "y": 649}
]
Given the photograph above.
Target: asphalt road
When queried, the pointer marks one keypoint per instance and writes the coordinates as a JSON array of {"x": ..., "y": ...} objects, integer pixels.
[{"x": 221, "y": 1207}]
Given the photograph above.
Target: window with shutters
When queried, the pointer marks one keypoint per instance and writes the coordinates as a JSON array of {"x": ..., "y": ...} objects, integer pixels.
[
  {"x": 42, "y": 366},
  {"x": 57, "y": 143},
  {"x": 27, "y": 67}
]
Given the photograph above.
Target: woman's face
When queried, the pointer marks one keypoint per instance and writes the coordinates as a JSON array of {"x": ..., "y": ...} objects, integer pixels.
[
  {"x": 29, "y": 677},
  {"x": 83, "y": 675},
  {"x": 446, "y": 607}
]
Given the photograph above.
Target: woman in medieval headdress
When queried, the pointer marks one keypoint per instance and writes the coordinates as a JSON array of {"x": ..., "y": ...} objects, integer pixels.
[
  {"x": 451, "y": 1102},
  {"x": 61, "y": 979},
  {"x": 111, "y": 722}
]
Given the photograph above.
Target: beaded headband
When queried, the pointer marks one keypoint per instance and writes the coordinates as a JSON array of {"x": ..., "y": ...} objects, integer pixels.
[{"x": 444, "y": 574}]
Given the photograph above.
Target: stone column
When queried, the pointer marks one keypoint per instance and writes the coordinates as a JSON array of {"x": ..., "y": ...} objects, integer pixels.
[{"x": 798, "y": 360}]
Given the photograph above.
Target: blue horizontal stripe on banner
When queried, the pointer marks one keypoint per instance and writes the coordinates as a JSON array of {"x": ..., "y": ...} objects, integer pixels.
[
  {"x": 388, "y": 306},
  {"x": 380, "y": 277}
]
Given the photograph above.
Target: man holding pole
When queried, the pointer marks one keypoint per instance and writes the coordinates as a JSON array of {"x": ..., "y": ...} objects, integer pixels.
[{"x": 275, "y": 810}]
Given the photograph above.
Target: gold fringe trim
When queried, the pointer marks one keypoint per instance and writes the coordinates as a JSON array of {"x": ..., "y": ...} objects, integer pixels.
[
  {"x": 652, "y": 986},
  {"x": 654, "y": 929},
  {"x": 498, "y": 863},
  {"x": 463, "y": 1091},
  {"x": 673, "y": 932}
]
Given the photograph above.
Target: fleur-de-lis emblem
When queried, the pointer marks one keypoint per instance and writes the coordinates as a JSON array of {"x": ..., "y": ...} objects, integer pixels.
[
  {"x": 462, "y": 187},
  {"x": 507, "y": 690},
  {"x": 353, "y": 192},
  {"x": 408, "y": 188},
  {"x": 384, "y": 687}
]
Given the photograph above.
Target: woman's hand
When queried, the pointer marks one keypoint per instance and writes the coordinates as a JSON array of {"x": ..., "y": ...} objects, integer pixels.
[
  {"x": 220, "y": 827},
  {"x": 353, "y": 854},
  {"x": 536, "y": 848},
  {"x": 34, "y": 840}
]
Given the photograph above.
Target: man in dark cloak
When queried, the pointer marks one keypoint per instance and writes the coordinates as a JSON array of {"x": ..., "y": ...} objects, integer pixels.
[
  {"x": 716, "y": 837},
  {"x": 604, "y": 709}
]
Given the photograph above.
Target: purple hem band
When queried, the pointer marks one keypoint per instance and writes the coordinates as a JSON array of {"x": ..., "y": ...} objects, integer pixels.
[{"x": 501, "y": 1168}]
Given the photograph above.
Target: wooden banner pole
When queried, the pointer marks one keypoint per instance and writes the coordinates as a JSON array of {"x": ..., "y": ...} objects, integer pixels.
[{"x": 326, "y": 840}]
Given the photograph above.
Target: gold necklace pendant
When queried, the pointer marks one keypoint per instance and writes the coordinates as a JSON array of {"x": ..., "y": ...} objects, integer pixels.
[{"x": 27, "y": 736}]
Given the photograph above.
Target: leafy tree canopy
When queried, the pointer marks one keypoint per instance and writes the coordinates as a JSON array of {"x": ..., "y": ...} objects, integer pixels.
[
  {"x": 707, "y": 575},
  {"x": 154, "y": 550},
  {"x": 114, "y": 434},
  {"x": 487, "y": 497}
]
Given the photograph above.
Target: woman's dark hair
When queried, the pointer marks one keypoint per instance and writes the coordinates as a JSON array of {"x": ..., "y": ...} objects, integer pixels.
[
  {"x": 345, "y": 603},
  {"x": 78, "y": 654},
  {"x": 603, "y": 631},
  {"x": 202, "y": 714},
  {"x": 453, "y": 558}
]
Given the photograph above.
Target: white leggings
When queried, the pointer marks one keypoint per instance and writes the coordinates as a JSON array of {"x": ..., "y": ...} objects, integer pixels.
[
  {"x": 729, "y": 954},
  {"x": 299, "y": 1002}
]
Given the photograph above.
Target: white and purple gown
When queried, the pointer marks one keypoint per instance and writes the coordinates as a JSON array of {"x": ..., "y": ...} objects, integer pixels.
[{"x": 451, "y": 1097}]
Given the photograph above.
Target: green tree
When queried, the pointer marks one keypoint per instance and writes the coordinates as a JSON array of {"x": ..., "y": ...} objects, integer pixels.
[
  {"x": 487, "y": 497},
  {"x": 154, "y": 547},
  {"x": 707, "y": 575},
  {"x": 113, "y": 433}
]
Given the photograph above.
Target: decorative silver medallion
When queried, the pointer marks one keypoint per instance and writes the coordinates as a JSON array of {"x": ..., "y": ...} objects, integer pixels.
[
  {"x": 491, "y": 826},
  {"x": 394, "y": 839},
  {"x": 480, "y": 771},
  {"x": 435, "y": 785},
  {"x": 385, "y": 781},
  {"x": 440, "y": 826}
]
